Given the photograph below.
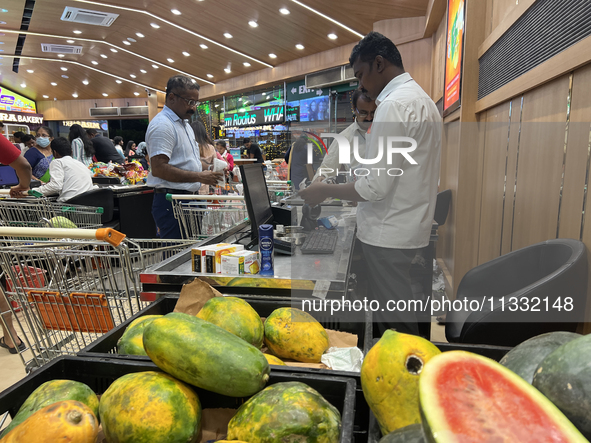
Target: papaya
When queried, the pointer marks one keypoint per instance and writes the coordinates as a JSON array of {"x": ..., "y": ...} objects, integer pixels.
[
  {"x": 390, "y": 378},
  {"x": 67, "y": 421},
  {"x": 205, "y": 355},
  {"x": 51, "y": 392},
  {"x": 465, "y": 397},
  {"x": 150, "y": 407},
  {"x": 525, "y": 358},
  {"x": 131, "y": 342},
  {"x": 408, "y": 434},
  {"x": 274, "y": 360},
  {"x": 564, "y": 376},
  {"x": 236, "y": 316},
  {"x": 295, "y": 334},
  {"x": 286, "y": 412}
]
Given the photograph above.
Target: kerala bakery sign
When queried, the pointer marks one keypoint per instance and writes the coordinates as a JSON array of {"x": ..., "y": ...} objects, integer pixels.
[
  {"x": 270, "y": 115},
  {"x": 20, "y": 117}
]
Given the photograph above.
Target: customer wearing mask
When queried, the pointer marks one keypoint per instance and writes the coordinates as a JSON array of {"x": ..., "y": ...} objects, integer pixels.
[
  {"x": 40, "y": 156},
  {"x": 363, "y": 109}
]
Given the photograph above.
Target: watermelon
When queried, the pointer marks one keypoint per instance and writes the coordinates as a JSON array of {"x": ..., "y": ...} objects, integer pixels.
[
  {"x": 564, "y": 377},
  {"x": 465, "y": 397},
  {"x": 408, "y": 434},
  {"x": 524, "y": 358}
]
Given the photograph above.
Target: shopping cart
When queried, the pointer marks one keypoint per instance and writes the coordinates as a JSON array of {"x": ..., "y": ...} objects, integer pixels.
[
  {"x": 279, "y": 190},
  {"x": 201, "y": 216},
  {"x": 73, "y": 285}
]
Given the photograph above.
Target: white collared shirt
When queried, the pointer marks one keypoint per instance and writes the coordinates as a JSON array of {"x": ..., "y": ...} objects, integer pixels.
[
  {"x": 69, "y": 178},
  {"x": 331, "y": 159},
  {"x": 399, "y": 210}
]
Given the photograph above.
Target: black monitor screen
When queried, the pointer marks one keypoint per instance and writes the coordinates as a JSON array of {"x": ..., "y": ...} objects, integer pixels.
[
  {"x": 256, "y": 197},
  {"x": 8, "y": 176}
]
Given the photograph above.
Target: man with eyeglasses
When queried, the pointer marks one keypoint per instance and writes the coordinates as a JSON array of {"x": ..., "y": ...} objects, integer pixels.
[
  {"x": 364, "y": 109},
  {"x": 174, "y": 153}
]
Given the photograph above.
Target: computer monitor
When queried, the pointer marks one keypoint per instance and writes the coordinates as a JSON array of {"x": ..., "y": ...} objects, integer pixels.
[
  {"x": 256, "y": 197},
  {"x": 8, "y": 176}
]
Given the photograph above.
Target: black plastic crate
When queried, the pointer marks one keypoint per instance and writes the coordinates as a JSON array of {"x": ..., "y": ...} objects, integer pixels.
[
  {"x": 106, "y": 346},
  {"x": 98, "y": 374}
]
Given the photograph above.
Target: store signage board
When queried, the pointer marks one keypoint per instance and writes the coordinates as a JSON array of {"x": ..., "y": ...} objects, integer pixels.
[
  {"x": 11, "y": 101},
  {"x": 292, "y": 114},
  {"x": 298, "y": 91},
  {"x": 270, "y": 115},
  {"x": 453, "y": 55},
  {"x": 21, "y": 118},
  {"x": 93, "y": 124}
]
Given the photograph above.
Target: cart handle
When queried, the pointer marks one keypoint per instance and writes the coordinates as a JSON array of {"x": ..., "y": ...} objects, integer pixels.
[
  {"x": 32, "y": 193},
  {"x": 279, "y": 182},
  {"x": 171, "y": 197},
  {"x": 108, "y": 235}
]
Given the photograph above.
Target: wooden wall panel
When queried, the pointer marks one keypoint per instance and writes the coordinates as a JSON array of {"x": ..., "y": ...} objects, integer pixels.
[
  {"x": 416, "y": 57},
  {"x": 79, "y": 109},
  {"x": 494, "y": 181},
  {"x": 401, "y": 30},
  {"x": 438, "y": 63},
  {"x": 499, "y": 11},
  {"x": 541, "y": 153}
]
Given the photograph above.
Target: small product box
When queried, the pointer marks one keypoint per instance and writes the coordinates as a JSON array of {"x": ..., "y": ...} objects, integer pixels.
[
  {"x": 212, "y": 261},
  {"x": 197, "y": 255},
  {"x": 241, "y": 262}
]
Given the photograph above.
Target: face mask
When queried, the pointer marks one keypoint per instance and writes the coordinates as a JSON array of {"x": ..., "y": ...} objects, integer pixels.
[
  {"x": 364, "y": 125},
  {"x": 43, "y": 141}
]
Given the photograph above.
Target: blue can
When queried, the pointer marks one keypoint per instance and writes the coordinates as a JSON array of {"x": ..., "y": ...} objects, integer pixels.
[{"x": 266, "y": 249}]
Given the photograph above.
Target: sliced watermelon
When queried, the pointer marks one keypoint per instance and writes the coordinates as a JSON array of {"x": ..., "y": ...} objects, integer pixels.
[{"x": 467, "y": 398}]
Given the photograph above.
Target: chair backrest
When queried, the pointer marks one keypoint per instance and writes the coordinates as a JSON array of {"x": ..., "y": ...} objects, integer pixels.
[
  {"x": 442, "y": 206},
  {"x": 101, "y": 197}
]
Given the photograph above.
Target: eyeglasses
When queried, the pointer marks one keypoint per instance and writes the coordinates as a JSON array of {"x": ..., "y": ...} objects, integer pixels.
[
  {"x": 364, "y": 114},
  {"x": 189, "y": 102}
]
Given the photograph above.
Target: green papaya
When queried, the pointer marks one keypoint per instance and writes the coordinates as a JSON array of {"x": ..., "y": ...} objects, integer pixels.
[{"x": 131, "y": 342}]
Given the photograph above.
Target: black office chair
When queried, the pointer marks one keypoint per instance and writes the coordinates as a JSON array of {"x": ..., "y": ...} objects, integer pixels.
[
  {"x": 545, "y": 271},
  {"x": 101, "y": 197}
]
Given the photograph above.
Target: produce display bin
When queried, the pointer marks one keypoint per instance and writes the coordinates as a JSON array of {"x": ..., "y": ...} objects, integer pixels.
[
  {"x": 106, "y": 345},
  {"x": 98, "y": 374}
]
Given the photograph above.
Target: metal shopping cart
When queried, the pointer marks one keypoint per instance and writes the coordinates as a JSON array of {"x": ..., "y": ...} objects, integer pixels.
[
  {"x": 201, "y": 216},
  {"x": 73, "y": 285},
  {"x": 279, "y": 190}
]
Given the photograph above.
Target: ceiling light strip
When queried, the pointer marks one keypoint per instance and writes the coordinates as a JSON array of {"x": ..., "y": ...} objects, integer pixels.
[
  {"x": 181, "y": 28},
  {"x": 109, "y": 44},
  {"x": 84, "y": 66},
  {"x": 324, "y": 16}
]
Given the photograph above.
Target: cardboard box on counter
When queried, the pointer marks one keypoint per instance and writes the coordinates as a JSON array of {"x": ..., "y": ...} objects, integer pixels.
[
  {"x": 212, "y": 261},
  {"x": 198, "y": 253},
  {"x": 241, "y": 262}
]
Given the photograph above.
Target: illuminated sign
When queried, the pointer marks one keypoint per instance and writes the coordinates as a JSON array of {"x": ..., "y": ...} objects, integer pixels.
[
  {"x": 11, "y": 101},
  {"x": 84, "y": 124},
  {"x": 269, "y": 115},
  {"x": 292, "y": 114},
  {"x": 453, "y": 55},
  {"x": 21, "y": 118}
]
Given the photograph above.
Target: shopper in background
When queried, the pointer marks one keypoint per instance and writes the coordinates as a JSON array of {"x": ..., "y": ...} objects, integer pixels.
[
  {"x": 40, "y": 155},
  {"x": 395, "y": 211},
  {"x": 118, "y": 142},
  {"x": 29, "y": 141},
  {"x": 18, "y": 141},
  {"x": 104, "y": 150},
  {"x": 142, "y": 153},
  {"x": 254, "y": 150},
  {"x": 207, "y": 151},
  {"x": 221, "y": 148},
  {"x": 69, "y": 177},
  {"x": 82, "y": 148},
  {"x": 130, "y": 149},
  {"x": 296, "y": 158},
  {"x": 363, "y": 110},
  {"x": 174, "y": 154}
]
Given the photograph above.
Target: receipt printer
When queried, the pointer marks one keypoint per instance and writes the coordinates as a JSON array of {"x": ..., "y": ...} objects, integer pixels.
[{"x": 286, "y": 215}]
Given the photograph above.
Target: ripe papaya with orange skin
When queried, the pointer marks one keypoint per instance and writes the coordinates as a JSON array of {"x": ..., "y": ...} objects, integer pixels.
[
  {"x": 390, "y": 378},
  {"x": 67, "y": 421},
  {"x": 295, "y": 334},
  {"x": 274, "y": 360}
]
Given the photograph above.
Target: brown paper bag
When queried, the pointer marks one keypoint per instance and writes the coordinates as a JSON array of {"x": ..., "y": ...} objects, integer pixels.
[
  {"x": 214, "y": 424},
  {"x": 194, "y": 295}
]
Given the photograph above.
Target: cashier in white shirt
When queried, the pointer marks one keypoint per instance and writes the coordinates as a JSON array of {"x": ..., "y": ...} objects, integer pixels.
[
  {"x": 364, "y": 109},
  {"x": 397, "y": 192}
]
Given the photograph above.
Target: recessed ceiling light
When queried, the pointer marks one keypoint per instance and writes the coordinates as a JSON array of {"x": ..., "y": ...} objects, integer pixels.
[
  {"x": 63, "y": 68},
  {"x": 77, "y": 32},
  {"x": 272, "y": 55},
  {"x": 46, "y": 96},
  {"x": 136, "y": 93},
  {"x": 299, "y": 46},
  {"x": 74, "y": 95},
  {"x": 246, "y": 64},
  {"x": 125, "y": 42},
  {"x": 3, "y": 10},
  {"x": 332, "y": 36},
  {"x": 23, "y": 85},
  {"x": 105, "y": 95},
  {"x": 170, "y": 60},
  {"x": 227, "y": 35},
  {"x": 284, "y": 11},
  {"x": 94, "y": 62},
  {"x": 209, "y": 76},
  {"x": 186, "y": 54},
  {"x": 132, "y": 75},
  {"x": 61, "y": 55},
  {"x": 65, "y": 76},
  {"x": 113, "y": 50},
  {"x": 85, "y": 82},
  {"x": 155, "y": 66},
  {"x": 118, "y": 81},
  {"x": 143, "y": 71},
  {"x": 253, "y": 24},
  {"x": 1, "y": 43},
  {"x": 104, "y": 56},
  {"x": 30, "y": 71},
  {"x": 140, "y": 35},
  {"x": 202, "y": 46},
  {"x": 2, "y": 23},
  {"x": 133, "y": 40},
  {"x": 70, "y": 41},
  {"x": 175, "y": 11},
  {"x": 154, "y": 25},
  {"x": 227, "y": 70},
  {"x": 53, "y": 84}
]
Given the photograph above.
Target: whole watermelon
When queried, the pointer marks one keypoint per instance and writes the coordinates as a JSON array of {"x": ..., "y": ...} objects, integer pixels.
[{"x": 286, "y": 412}]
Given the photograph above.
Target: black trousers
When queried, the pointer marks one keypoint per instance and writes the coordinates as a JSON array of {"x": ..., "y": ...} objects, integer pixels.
[{"x": 389, "y": 280}]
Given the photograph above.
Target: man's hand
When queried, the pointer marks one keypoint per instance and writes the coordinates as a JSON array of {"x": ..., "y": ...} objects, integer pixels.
[
  {"x": 19, "y": 191},
  {"x": 210, "y": 177},
  {"x": 315, "y": 194}
]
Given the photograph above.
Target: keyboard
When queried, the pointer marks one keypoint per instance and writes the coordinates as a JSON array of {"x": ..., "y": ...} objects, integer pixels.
[{"x": 321, "y": 241}]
